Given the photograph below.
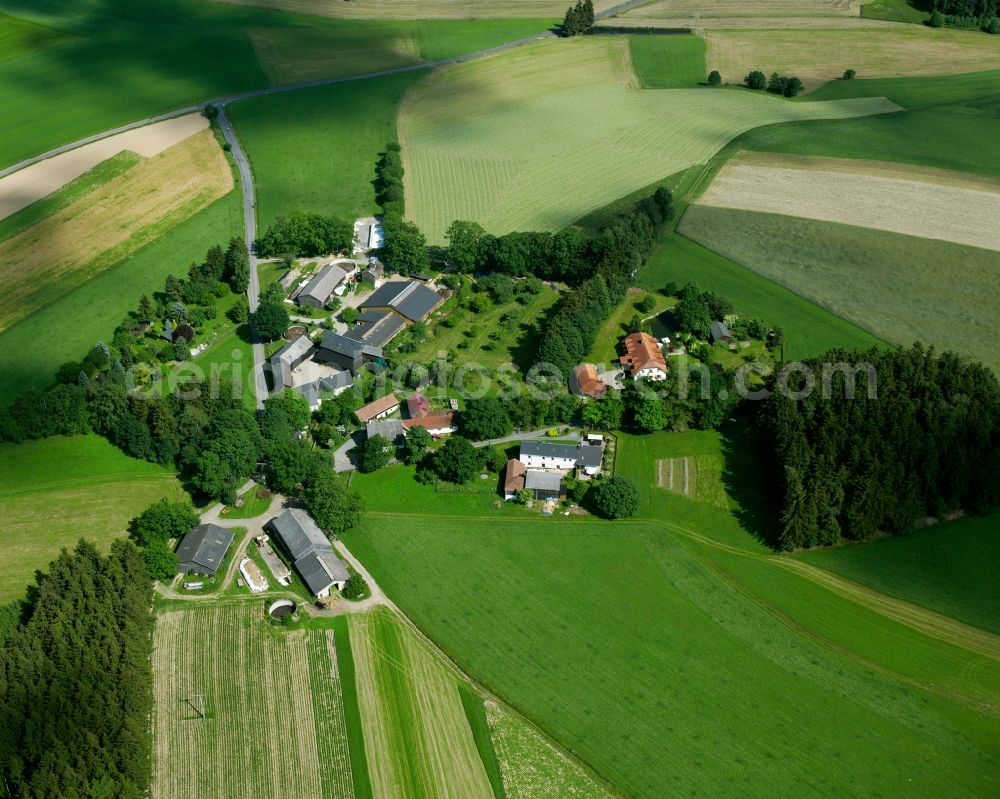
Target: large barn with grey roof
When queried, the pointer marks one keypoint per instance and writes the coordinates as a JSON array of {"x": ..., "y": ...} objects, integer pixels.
[
  {"x": 309, "y": 550},
  {"x": 202, "y": 550},
  {"x": 412, "y": 300}
]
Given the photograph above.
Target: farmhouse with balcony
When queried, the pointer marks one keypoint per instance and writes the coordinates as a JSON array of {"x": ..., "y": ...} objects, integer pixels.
[
  {"x": 309, "y": 550},
  {"x": 202, "y": 550},
  {"x": 643, "y": 357}
]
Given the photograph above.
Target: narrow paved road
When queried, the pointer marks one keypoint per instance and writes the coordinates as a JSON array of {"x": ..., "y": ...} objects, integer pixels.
[
  {"x": 249, "y": 235},
  {"x": 529, "y": 434},
  {"x": 291, "y": 87}
]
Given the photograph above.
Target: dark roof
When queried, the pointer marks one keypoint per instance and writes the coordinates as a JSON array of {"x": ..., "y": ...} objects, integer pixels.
[
  {"x": 370, "y": 316},
  {"x": 298, "y": 533},
  {"x": 377, "y": 328},
  {"x": 544, "y": 481},
  {"x": 319, "y": 570},
  {"x": 546, "y": 450},
  {"x": 410, "y": 299},
  {"x": 313, "y": 391},
  {"x": 589, "y": 455},
  {"x": 390, "y": 428},
  {"x": 205, "y": 545},
  {"x": 322, "y": 285},
  {"x": 719, "y": 330}
]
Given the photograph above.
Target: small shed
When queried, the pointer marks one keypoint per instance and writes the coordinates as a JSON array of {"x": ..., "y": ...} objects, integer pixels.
[{"x": 720, "y": 332}]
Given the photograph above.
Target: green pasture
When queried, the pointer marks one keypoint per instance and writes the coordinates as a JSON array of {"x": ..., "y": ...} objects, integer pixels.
[
  {"x": 949, "y": 568},
  {"x": 668, "y": 62},
  {"x": 890, "y": 284},
  {"x": 915, "y": 93},
  {"x": 315, "y": 149},
  {"x": 19, "y": 37},
  {"x": 74, "y": 322},
  {"x": 896, "y": 11},
  {"x": 55, "y": 491},
  {"x": 229, "y": 361},
  {"x": 809, "y": 329},
  {"x": 520, "y": 141}
]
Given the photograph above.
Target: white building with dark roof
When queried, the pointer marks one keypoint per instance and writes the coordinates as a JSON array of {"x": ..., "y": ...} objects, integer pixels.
[{"x": 561, "y": 457}]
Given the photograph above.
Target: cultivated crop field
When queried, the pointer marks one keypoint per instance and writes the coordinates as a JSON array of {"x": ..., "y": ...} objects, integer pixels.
[
  {"x": 55, "y": 491},
  {"x": 18, "y": 37},
  {"x": 80, "y": 241},
  {"x": 892, "y": 285},
  {"x": 274, "y": 713},
  {"x": 818, "y": 56},
  {"x": 417, "y": 736},
  {"x": 521, "y": 141},
  {"x": 916, "y": 201}
]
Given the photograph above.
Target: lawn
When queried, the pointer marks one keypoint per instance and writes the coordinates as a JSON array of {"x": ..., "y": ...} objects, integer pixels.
[
  {"x": 228, "y": 364},
  {"x": 607, "y": 349},
  {"x": 253, "y": 505},
  {"x": 621, "y": 644},
  {"x": 818, "y": 56},
  {"x": 417, "y": 738},
  {"x": 809, "y": 329},
  {"x": 887, "y": 283},
  {"x": 519, "y": 141},
  {"x": 19, "y": 37},
  {"x": 668, "y": 62},
  {"x": 117, "y": 218},
  {"x": 75, "y": 321},
  {"x": 57, "y": 490},
  {"x": 274, "y": 717},
  {"x": 896, "y": 10},
  {"x": 315, "y": 150},
  {"x": 948, "y": 568}
]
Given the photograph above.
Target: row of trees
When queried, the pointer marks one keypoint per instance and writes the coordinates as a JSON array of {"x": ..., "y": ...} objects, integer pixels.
[
  {"x": 776, "y": 84},
  {"x": 305, "y": 235},
  {"x": 615, "y": 255},
  {"x": 851, "y": 468},
  {"x": 76, "y": 683},
  {"x": 404, "y": 246},
  {"x": 550, "y": 256}
]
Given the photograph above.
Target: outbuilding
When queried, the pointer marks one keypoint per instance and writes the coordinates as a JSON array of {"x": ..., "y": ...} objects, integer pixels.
[{"x": 202, "y": 550}]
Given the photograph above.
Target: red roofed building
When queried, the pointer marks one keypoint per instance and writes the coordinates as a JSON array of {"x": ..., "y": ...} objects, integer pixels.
[
  {"x": 643, "y": 357},
  {"x": 584, "y": 380},
  {"x": 437, "y": 424},
  {"x": 513, "y": 478},
  {"x": 417, "y": 406}
]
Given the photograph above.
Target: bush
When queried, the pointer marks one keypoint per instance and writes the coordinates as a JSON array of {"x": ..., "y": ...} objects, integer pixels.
[
  {"x": 714, "y": 78},
  {"x": 355, "y": 588},
  {"x": 271, "y": 320},
  {"x": 618, "y": 498},
  {"x": 936, "y": 20},
  {"x": 755, "y": 80},
  {"x": 994, "y": 26},
  {"x": 849, "y": 74}
]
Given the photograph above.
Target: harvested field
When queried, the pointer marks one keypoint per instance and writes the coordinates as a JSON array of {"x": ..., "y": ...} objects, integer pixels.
[
  {"x": 20, "y": 189},
  {"x": 273, "y": 714},
  {"x": 667, "y": 9},
  {"x": 818, "y": 56},
  {"x": 900, "y": 288},
  {"x": 87, "y": 237},
  {"x": 417, "y": 736},
  {"x": 533, "y": 768},
  {"x": 422, "y": 9},
  {"x": 520, "y": 141},
  {"x": 290, "y": 55},
  {"x": 916, "y": 201}
]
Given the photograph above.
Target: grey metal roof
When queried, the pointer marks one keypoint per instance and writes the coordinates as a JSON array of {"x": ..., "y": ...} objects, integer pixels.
[
  {"x": 410, "y": 299},
  {"x": 298, "y": 533},
  {"x": 205, "y": 545},
  {"x": 287, "y": 358},
  {"x": 546, "y": 450},
  {"x": 340, "y": 344},
  {"x": 390, "y": 428},
  {"x": 319, "y": 570},
  {"x": 719, "y": 330},
  {"x": 371, "y": 316},
  {"x": 589, "y": 455},
  {"x": 378, "y": 330},
  {"x": 544, "y": 481},
  {"x": 322, "y": 285}
]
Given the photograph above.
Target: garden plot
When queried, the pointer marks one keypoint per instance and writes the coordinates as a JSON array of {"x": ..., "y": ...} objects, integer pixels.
[
  {"x": 539, "y": 137},
  {"x": 679, "y": 475},
  {"x": 915, "y": 201}
]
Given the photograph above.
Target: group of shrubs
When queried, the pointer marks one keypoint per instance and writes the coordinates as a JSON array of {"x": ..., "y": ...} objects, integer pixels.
[
  {"x": 776, "y": 84},
  {"x": 967, "y": 14}
]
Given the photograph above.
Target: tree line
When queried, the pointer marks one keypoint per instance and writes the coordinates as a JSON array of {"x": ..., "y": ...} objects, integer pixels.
[
  {"x": 579, "y": 18},
  {"x": 76, "y": 682},
  {"x": 305, "y": 235},
  {"x": 927, "y": 445},
  {"x": 969, "y": 14},
  {"x": 613, "y": 258},
  {"x": 404, "y": 246}
]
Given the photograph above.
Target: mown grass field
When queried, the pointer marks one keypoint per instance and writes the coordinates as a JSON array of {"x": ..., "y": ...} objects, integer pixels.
[
  {"x": 668, "y": 9},
  {"x": 890, "y": 284},
  {"x": 108, "y": 224},
  {"x": 896, "y": 10},
  {"x": 809, "y": 329},
  {"x": 620, "y": 640},
  {"x": 19, "y": 37},
  {"x": 520, "y": 141},
  {"x": 949, "y": 569},
  {"x": 274, "y": 719},
  {"x": 73, "y": 322},
  {"x": 55, "y": 491},
  {"x": 668, "y": 62},
  {"x": 818, "y": 56},
  {"x": 417, "y": 737}
]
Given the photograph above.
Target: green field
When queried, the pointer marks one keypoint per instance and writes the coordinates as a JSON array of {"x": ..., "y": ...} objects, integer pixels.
[
  {"x": 620, "y": 640},
  {"x": 809, "y": 329},
  {"x": 668, "y": 62},
  {"x": 887, "y": 283},
  {"x": 230, "y": 360},
  {"x": 896, "y": 10},
  {"x": 55, "y": 491},
  {"x": 257, "y": 687},
  {"x": 74, "y": 322},
  {"x": 520, "y": 141},
  {"x": 606, "y": 349},
  {"x": 948, "y": 568},
  {"x": 19, "y": 37}
]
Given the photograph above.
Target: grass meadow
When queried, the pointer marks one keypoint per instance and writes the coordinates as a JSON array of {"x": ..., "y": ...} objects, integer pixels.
[
  {"x": 371, "y": 10},
  {"x": 20, "y": 37},
  {"x": 619, "y": 640},
  {"x": 55, "y": 491},
  {"x": 890, "y": 284},
  {"x": 75, "y": 321},
  {"x": 949, "y": 569},
  {"x": 668, "y": 62},
  {"x": 520, "y": 140},
  {"x": 809, "y": 329}
]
